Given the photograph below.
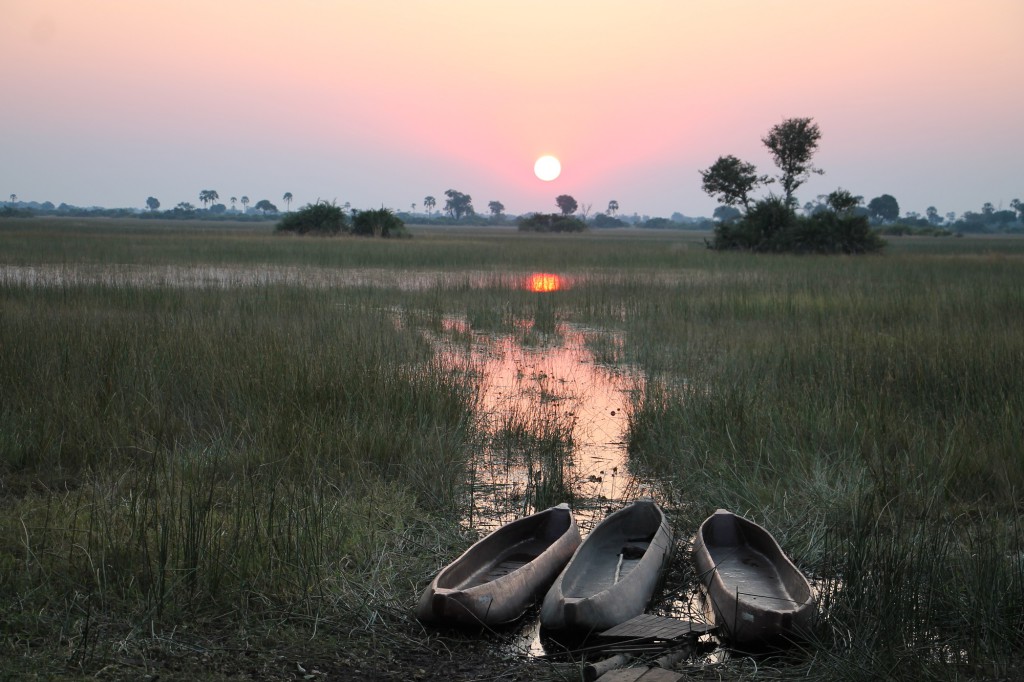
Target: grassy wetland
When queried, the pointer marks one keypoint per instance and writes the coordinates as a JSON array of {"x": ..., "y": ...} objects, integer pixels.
[{"x": 225, "y": 453}]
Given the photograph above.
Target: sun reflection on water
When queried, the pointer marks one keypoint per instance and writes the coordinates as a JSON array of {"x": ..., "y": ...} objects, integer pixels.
[{"x": 544, "y": 282}]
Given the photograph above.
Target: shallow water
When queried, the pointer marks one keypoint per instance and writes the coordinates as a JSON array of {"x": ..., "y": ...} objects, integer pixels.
[
  {"x": 552, "y": 392},
  {"x": 553, "y": 385}
]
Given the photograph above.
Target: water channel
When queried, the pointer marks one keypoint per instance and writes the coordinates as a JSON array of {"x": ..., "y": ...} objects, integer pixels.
[{"x": 556, "y": 420}]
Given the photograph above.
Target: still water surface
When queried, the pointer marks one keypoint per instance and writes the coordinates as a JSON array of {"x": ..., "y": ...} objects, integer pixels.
[{"x": 548, "y": 405}]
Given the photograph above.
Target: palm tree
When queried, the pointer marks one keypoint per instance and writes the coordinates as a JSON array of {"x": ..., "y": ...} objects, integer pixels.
[
  {"x": 208, "y": 196},
  {"x": 245, "y": 203},
  {"x": 613, "y": 207},
  {"x": 288, "y": 200},
  {"x": 429, "y": 203},
  {"x": 234, "y": 200},
  {"x": 14, "y": 198}
]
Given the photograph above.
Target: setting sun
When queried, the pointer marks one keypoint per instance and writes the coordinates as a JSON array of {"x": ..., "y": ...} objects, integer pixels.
[{"x": 547, "y": 168}]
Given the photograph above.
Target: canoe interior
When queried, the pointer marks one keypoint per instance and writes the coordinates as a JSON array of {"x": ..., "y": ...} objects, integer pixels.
[
  {"x": 611, "y": 553},
  {"x": 748, "y": 559},
  {"x": 510, "y": 560},
  {"x": 507, "y": 549}
]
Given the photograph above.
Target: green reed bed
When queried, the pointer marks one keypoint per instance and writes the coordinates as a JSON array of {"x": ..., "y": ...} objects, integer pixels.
[
  {"x": 261, "y": 465},
  {"x": 257, "y": 460},
  {"x": 869, "y": 412}
]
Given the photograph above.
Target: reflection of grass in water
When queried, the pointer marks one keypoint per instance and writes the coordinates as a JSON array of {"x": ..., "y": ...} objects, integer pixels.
[
  {"x": 607, "y": 348},
  {"x": 541, "y": 442},
  {"x": 544, "y": 318}
]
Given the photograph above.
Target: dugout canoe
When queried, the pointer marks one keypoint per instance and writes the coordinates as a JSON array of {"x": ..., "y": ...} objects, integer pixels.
[
  {"x": 495, "y": 581},
  {"x": 756, "y": 592},
  {"x": 613, "y": 574}
]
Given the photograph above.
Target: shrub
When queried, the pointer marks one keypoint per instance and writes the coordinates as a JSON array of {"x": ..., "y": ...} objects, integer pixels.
[
  {"x": 379, "y": 222},
  {"x": 550, "y": 222},
  {"x": 772, "y": 226},
  {"x": 603, "y": 220},
  {"x": 318, "y": 218}
]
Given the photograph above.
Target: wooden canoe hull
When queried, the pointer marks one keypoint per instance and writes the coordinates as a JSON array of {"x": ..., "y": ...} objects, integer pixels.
[
  {"x": 612, "y": 576},
  {"x": 756, "y": 592},
  {"x": 495, "y": 581}
]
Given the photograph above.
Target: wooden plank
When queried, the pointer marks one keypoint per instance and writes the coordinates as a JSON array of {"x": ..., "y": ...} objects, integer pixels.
[
  {"x": 623, "y": 675},
  {"x": 649, "y": 626}
]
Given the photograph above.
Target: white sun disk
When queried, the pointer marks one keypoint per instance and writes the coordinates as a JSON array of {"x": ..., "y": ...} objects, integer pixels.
[{"x": 547, "y": 168}]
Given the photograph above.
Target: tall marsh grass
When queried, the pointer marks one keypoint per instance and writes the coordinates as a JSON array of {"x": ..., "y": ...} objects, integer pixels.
[
  {"x": 869, "y": 412},
  {"x": 207, "y": 455},
  {"x": 281, "y": 458}
]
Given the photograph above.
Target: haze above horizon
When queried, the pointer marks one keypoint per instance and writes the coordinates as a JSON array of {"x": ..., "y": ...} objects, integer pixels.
[{"x": 109, "y": 102}]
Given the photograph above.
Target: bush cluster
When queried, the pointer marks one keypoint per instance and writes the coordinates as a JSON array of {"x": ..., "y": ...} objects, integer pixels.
[
  {"x": 379, "y": 222},
  {"x": 772, "y": 226},
  {"x": 323, "y": 218},
  {"x": 604, "y": 220},
  {"x": 550, "y": 222},
  {"x": 319, "y": 218}
]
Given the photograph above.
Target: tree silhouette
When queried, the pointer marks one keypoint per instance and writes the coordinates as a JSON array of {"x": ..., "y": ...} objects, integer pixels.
[
  {"x": 287, "y": 198},
  {"x": 429, "y": 203},
  {"x": 730, "y": 181},
  {"x": 153, "y": 203},
  {"x": 496, "y": 208},
  {"x": 208, "y": 196},
  {"x": 14, "y": 198},
  {"x": 245, "y": 203},
  {"x": 265, "y": 205},
  {"x": 884, "y": 208},
  {"x": 458, "y": 204},
  {"x": 234, "y": 200},
  {"x": 792, "y": 143},
  {"x": 566, "y": 204},
  {"x": 613, "y": 207}
]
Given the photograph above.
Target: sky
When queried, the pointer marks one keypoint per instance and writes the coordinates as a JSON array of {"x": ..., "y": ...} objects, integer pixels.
[{"x": 384, "y": 102}]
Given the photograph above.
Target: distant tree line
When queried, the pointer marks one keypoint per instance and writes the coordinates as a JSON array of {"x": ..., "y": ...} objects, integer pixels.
[{"x": 730, "y": 180}]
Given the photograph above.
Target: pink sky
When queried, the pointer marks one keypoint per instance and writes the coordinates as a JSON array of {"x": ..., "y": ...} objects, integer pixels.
[{"x": 382, "y": 103}]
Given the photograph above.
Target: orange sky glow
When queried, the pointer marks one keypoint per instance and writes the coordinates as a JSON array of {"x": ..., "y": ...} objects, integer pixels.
[{"x": 383, "y": 103}]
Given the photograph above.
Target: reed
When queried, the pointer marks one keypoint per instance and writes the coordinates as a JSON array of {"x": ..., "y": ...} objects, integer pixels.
[
  {"x": 867, "y": 411},
  {"x": 172, "y": 455},
  {"x": 287, "y": 461}
]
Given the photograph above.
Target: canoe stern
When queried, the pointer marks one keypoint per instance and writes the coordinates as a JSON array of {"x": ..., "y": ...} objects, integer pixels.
[
  {"x": 763, "y": 614},
  {"x": 454, "y": 606}
]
